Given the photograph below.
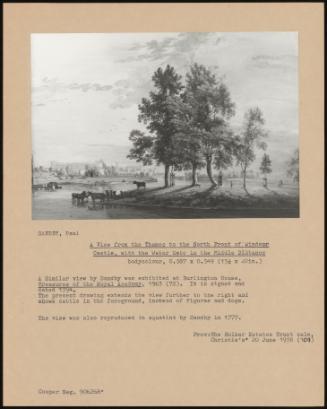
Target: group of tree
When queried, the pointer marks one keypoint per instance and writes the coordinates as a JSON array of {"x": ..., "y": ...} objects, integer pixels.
[
  {"x": 293, "y": 166},
  {"x": 188, "y": 125}
]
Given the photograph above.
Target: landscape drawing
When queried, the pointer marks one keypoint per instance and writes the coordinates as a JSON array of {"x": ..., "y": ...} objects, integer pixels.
[{"x": 186, "y": 125}]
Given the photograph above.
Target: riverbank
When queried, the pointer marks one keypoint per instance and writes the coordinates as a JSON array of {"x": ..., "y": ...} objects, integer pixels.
[
  {"x": 181, "y": 201},
  {"x": 230, "y": 196}
]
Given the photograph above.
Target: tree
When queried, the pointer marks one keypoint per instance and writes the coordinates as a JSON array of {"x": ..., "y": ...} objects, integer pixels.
[
  {"x": 224, "y": 153},
  {"x": 211, "y": 108},
  {"x": 293, "y": 166},
  {"x": 201, "y": 114},
  {"x": 252, "y": 136},
  {"x": 187, "y": 140},
  {"x": 265, "y": 167},
  {"x": 142, "y": 150},
  {"x": 156, "y": 114},
  {"x": 188, "y": 151}
]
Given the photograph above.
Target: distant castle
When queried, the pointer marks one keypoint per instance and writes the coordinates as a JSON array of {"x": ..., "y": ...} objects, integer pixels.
[{"x": 97, "y": 168}]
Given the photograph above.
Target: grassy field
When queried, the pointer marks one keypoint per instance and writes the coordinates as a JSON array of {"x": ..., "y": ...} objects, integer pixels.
[{"x": 227, "y": 196}]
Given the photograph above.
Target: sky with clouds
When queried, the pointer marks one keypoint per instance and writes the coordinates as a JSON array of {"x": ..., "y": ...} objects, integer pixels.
[{"x": 86, "y": 87}]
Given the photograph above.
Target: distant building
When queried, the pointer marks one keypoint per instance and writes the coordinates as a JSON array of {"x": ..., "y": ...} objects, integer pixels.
[
  {"x": 68, "y": 168},
  {"x": 100, "y": 168}
]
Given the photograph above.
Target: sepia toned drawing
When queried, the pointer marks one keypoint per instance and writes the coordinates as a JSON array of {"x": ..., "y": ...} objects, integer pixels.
[{"x": 165, "y": 125}]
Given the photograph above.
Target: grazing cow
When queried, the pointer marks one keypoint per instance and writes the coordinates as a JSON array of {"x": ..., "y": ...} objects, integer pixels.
[
  {"x": 110, "y": 194},
  {"x": 139, "y": 184},
  {"x": 97, "y": 196},
  {"x": 79, "y": 197},
  {"x": 114, "y": 194}
]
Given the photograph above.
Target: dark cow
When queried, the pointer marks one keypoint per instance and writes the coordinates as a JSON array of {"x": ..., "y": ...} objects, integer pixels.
[
  {"x": 97, "y": 196},
  {"x": 110, "y": 194},
  {"x": 139, "y": 184},
  {"x": 115, "y": 194},
  {"x": 79, "y": 197}
]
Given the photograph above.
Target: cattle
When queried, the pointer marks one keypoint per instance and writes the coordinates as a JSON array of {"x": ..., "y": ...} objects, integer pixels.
[
  {"x": 97, "y": 196},
  {"x": 79, "y": 197},
  {"x": 110, "y": 194},
  {"x": 139, "y": 184}
]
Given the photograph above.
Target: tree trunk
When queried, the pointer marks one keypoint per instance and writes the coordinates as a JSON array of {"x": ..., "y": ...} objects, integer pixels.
[
  {"x": 194, "y": 175},
  {"x": 209, "y": 172},
  {"x": 167, "y": 175},
  {"x": 244, "y": 179},
  {"x": 265, "y": 182}
]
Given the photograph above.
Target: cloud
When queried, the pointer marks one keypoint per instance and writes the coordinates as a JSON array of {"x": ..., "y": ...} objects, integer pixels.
[
  {"x": 53, "y": 85},
  {"x": 169, "y": 47},
  {"x": 159, "y": 49},
  {"x": 122, "y": 83},
  {"x": 124, "y": 92},
  {"x": 276, "y": 62},
  {"x": 186, "y": 42},
  {"x": 130, "y": 92},
  {"x": 152, "y": 50},
  {"x": 122, "y": 103},
  {"x": 178, "y": 50},
  {"x": 136, "y": 46}
]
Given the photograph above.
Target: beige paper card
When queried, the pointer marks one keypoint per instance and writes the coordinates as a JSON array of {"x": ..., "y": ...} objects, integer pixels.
[{"x": 163, "y": 204}]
